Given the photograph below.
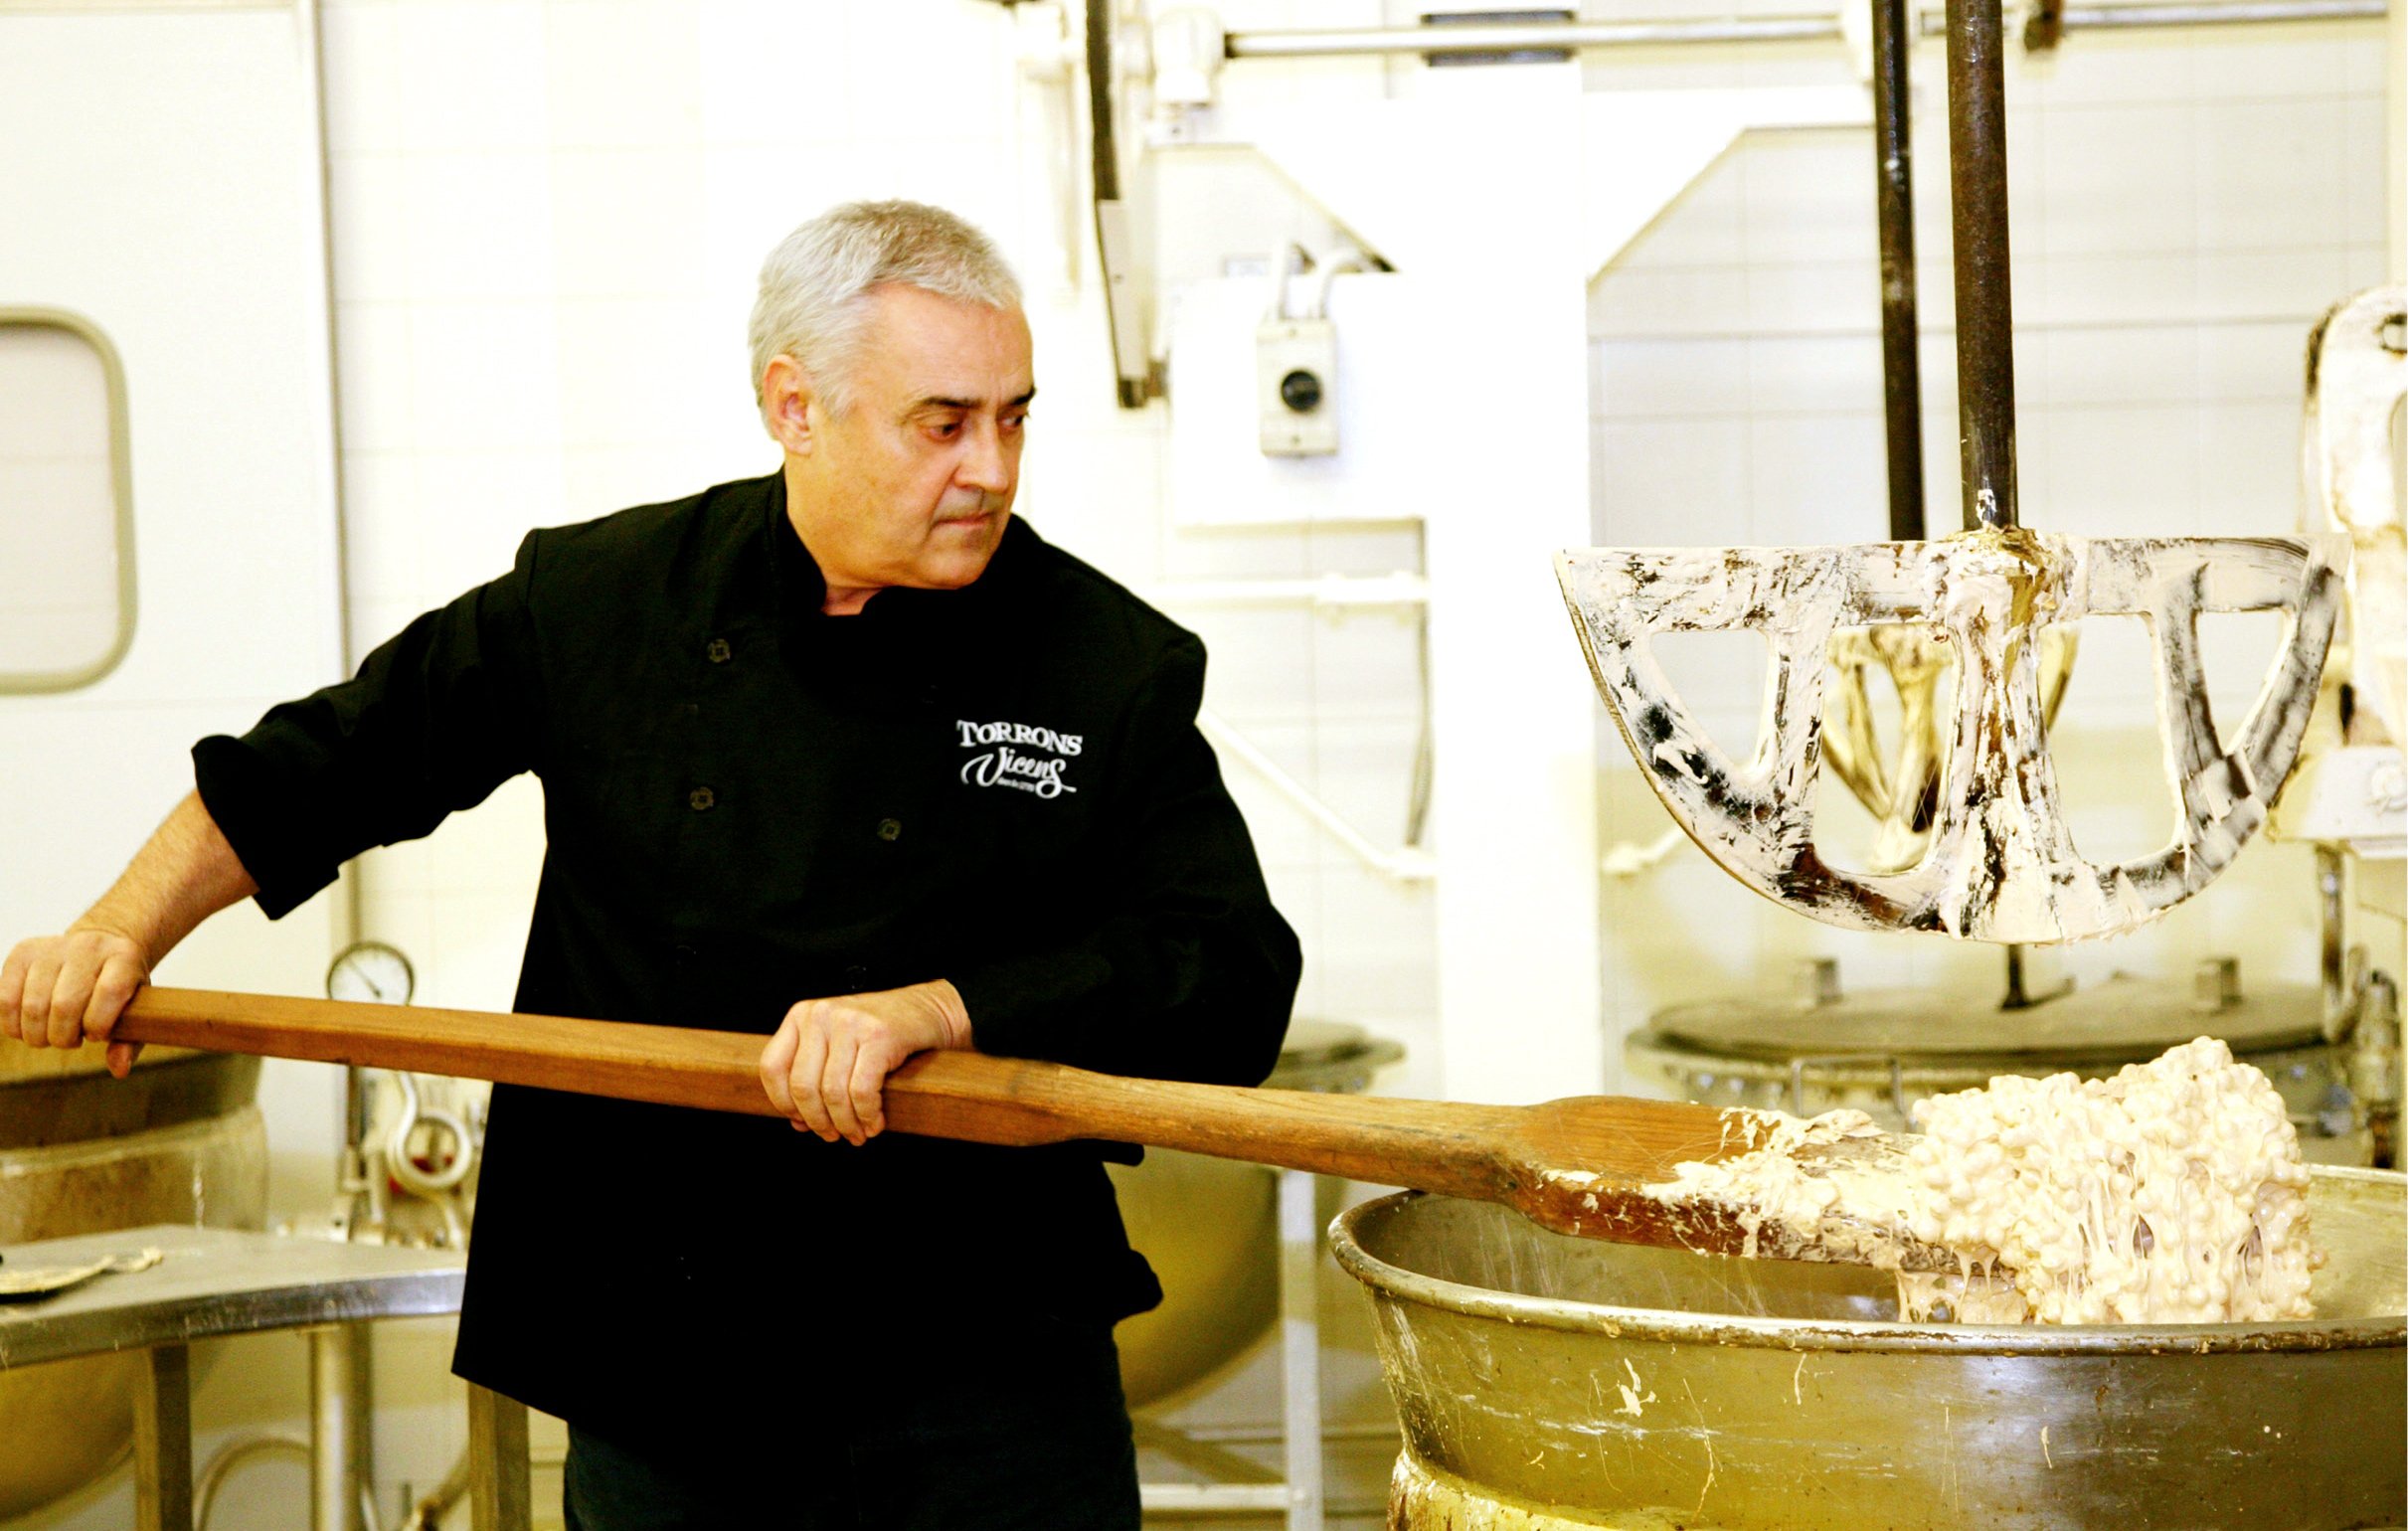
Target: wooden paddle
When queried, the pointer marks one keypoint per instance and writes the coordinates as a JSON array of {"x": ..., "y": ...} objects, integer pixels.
[{"x": 1579, "y": 1166}]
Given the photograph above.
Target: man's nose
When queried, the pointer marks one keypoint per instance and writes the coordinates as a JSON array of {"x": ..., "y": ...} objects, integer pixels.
[{"x": 985, "y": 465}]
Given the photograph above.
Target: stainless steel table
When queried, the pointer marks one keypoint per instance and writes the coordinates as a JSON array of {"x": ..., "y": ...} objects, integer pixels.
[{"x": 215, "y": 1282}]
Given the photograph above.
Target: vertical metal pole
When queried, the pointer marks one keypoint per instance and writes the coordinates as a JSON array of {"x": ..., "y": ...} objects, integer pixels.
[
  {"x": 2332, "y": 958},
  {"x": 2017, "y": 997},
  {"x": 360, "y": 1406},
  {"x": 1300, "y": 1346},
  {"x": 1894, "y": 202},
  {"x": 334, "y": 1492},
  {"x": 1985, "y": 349},
  {"x": 163, "y": 1441},
  {"x": 499, "y": 1495},
  {"x": 1117, "y": 256}
]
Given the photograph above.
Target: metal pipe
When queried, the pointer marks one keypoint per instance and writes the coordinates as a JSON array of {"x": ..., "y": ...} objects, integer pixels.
[
  {"x": 1400, "y": 589},
  {"x": 1407, "y": 864},
  {"x": 1115, "y": 231},
  {"x": 1263, "y": 1434},
  {"x": 229, "y": 1456},
  {"x": 2333, "y": 956},
  {"x": 1194, "y": 1501},
  {"x": 349, "y": 901},
  {"x": 498, "y": 1497},
  {"x": 163, "y": 1441},
  {"x": 2209, "y": 13},
  {"x": 1512, "y": 37},
  {"x": 1300, "y": 1347},
  {"x": 1507, "y": 37},
  {"x": 1894, "y": 209},
  {"x": 2374, "y": 1068},
  {"x": 1985, "y": 349},
  {"x": 2019, "y": 995},
  {"x": 334, "y": 1499}
]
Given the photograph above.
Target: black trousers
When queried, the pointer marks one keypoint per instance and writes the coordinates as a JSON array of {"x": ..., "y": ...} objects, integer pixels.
[{"x": 1028, "y": 1434}]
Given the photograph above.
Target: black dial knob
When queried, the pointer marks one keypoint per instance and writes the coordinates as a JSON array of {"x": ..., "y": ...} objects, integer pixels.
[{"x": 1300, "y": 391}]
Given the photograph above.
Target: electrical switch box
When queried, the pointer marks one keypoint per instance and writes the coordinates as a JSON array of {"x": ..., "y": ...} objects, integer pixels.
[{"x": 1296, "y": 375}]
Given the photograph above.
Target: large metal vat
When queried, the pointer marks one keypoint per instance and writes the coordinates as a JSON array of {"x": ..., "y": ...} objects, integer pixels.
[
  {"x": 81, "y": 1153},
  {"x": 1209, "y": 1228},
  {"x": 1880, "y": 1052},
  {"x": 1548, "y": 1382}
]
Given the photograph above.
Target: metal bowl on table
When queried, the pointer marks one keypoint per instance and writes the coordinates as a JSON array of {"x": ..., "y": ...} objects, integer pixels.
[
  {"x": 1555, "y": 1384},
  {"x": 179, "y": 1142},
  {"x": 1210, "y": 1228}
]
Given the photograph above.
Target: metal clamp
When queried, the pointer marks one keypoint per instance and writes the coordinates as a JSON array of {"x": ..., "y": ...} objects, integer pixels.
[{"x": 1798, "y": 1068}]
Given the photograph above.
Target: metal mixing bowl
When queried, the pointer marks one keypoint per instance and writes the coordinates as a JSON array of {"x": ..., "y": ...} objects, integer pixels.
[
  {"x": 180, "y": 1141},
  {"x": 1210, "y": 1228},
  {"x": 1547, "y": 1382}
]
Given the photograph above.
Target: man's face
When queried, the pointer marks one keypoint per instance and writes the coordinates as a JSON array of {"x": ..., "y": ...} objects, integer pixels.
[{"x": 912, "y": 483}]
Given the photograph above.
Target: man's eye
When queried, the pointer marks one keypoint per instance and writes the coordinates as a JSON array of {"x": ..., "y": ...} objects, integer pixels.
[
  {"x": 1014, "y": 422},
  {"x": 945, "y": 431}
]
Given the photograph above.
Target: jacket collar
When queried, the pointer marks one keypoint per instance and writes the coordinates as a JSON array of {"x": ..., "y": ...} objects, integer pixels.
[{"x": 798, "y": 589}]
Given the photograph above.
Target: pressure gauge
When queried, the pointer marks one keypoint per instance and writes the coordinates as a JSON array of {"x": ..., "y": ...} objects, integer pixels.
[{"x": 371, "y": 972}]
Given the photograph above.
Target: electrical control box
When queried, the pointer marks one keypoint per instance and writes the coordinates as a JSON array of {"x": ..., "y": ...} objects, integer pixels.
[{"x": 1296, "y": 375}]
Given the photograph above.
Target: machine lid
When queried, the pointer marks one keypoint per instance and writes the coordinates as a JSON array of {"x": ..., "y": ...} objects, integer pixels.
[
  {"x": 1330, "y": 1055},
  {"x": 1313, "y": 1041},
  {"x": 2122, "y": 1019}
]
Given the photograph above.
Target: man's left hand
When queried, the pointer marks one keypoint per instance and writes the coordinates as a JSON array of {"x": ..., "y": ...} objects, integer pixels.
[{"x": 827, "y": 1065}]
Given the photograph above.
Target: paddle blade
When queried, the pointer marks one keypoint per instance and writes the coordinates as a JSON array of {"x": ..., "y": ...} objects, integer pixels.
[{"x": 1716, "y": 1182}]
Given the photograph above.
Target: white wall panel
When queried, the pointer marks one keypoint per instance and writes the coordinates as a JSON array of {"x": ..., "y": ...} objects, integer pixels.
[
  {"x": 161, "y": 177},
  {"x": 200, "y": 255}
]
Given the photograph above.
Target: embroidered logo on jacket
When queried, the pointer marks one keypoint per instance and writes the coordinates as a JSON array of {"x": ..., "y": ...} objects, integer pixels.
[{"x": 1020, "y": 755}]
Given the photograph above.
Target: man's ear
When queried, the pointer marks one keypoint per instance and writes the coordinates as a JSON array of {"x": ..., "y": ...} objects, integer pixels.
[{"x": 790, "y": 405}]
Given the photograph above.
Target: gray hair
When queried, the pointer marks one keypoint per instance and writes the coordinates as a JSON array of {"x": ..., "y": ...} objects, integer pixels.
[{"x": 813, "y": 286}]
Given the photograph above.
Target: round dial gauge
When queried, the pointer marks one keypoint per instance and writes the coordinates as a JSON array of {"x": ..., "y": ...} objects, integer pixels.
[{"x": 370, "y": 971}]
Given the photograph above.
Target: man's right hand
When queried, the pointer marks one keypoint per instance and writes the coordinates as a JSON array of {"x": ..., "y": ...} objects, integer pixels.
[
  {"x": 61, "y": 990},
  {"x": 65, "y": 991}
]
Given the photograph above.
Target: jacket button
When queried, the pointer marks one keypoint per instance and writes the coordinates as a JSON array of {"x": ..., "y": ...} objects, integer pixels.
[
  {"x": 699, "y": 799},
  {"x": 717, "y": 651},
  {"x": 890, "y": 829},
  {"x": 686, "y": 956},
  {"x": 856, "y": 975}
]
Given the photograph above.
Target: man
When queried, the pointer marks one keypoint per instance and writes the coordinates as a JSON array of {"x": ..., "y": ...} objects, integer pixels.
[{"x": 848, "y": 757}]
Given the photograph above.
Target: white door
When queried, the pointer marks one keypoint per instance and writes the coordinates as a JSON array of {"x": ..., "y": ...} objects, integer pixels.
[{"x": 160, "y": 185}]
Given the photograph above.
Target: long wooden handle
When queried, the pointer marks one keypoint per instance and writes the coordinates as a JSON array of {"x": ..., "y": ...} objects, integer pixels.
[
  {"x": 1426, "y": 1144},
  {"x": 668, "y": 1065},
  {"x": 1429, "y": 1145}
]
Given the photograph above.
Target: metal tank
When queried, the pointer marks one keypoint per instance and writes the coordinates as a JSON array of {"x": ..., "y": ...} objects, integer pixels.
[
  {"x": 1209, "y": 1227},
  {"x": 180, "y": 1141},
  {"x": 1555, "y": 1384},
  {"x": 1815, "y": 1046}
]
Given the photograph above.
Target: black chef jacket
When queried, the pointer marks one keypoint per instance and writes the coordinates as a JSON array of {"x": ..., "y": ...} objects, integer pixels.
[{"x": 748, "y": 803}]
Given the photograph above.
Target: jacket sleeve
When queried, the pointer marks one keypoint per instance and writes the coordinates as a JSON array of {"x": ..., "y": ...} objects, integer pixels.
[
  {"x": 1190, "y": 974},
  {"x": 434, "y": 720}
]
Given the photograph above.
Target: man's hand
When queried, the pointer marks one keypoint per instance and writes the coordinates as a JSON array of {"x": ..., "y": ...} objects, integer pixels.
[
  {"x": 827, "y": 1065},
  {"x": 58, "y": 990}
]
